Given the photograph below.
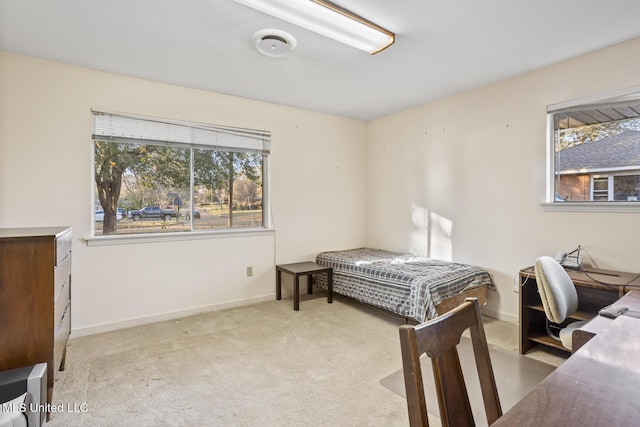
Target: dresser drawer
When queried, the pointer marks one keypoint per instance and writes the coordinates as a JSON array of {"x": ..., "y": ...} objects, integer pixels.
[
  {"x": 62, "y": 278},
  {"x": 62, "y": 333},
  {"x": 63, "y": 246},
  {"x": 61, "y": 303}
]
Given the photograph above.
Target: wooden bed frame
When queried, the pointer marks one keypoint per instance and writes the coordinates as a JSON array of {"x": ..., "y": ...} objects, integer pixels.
[
  {"x": 402, "y": 284},
  {"x": 454, "y": 301}
]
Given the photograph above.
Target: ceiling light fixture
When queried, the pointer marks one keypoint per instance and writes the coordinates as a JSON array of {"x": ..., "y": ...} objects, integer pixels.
[{"x": 328, "y": 19}]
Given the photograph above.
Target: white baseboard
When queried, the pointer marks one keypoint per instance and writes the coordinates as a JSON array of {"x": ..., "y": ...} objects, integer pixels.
[
  {"x": 114, "y": 326},
  {"x": 499, "y": 315}
]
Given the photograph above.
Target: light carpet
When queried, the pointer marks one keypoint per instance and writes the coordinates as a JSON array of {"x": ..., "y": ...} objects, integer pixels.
[{"x": 259, "y": 365}]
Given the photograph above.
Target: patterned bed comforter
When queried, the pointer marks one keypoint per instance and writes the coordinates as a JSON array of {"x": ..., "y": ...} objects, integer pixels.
[{"x": 403, "y": 284}]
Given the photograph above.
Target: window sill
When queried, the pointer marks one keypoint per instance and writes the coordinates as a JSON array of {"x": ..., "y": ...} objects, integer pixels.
[
  {"x": 178, "y": 236},
  {"x": 610, "y": 207}
]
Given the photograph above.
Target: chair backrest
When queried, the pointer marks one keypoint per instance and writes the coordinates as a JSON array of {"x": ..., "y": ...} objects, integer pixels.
[
  {"x": 557, "y": 291},
  {"x": 438, "y": 338}
]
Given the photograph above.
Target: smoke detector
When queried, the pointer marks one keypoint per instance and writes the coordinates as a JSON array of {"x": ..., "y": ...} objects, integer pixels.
[{"x": 274, "y": 43}]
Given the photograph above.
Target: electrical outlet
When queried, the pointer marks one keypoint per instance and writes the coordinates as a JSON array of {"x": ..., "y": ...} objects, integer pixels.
[{"x": 249, "y": 271}]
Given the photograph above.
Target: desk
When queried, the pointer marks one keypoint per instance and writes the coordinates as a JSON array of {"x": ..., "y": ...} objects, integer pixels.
[
  {"x": 592, "y": 296},
  {"x": 597, "y": 386},
  {"x": 599, "y": 323}
]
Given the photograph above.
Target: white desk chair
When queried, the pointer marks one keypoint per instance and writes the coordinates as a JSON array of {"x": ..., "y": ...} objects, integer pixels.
[{"x": 559, "y": 298}]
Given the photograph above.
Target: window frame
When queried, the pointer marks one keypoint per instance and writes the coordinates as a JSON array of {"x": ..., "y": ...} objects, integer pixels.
[
  {"x": 611, "y": 185},
  {"x": 194, "y": 233},
  {"x": 549, "y": 204},
  {"x": 593, "y": 192}
]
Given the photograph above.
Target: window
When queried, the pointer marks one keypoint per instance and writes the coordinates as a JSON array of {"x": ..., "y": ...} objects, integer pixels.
[
  {"x": 155, "y": 176},
  {"x": 594, "y": 147},
  {"x": 600, "y": 191}
]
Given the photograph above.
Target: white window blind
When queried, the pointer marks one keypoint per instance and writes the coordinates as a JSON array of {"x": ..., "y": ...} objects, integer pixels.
[
  {"x": 125, "y": 128},
  {"x": 615, "y": 106}
]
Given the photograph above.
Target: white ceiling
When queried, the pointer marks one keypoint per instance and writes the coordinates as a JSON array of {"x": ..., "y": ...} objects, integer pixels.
[{"x": 442, "y": 47}]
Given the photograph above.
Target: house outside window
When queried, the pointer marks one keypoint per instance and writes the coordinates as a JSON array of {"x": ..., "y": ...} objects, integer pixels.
[
  {"x": 594, "y": 147},
  {"x": 155, "y": 176}
]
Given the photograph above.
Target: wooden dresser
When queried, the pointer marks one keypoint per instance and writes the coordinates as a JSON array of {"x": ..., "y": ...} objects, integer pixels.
[{"x": 35, "y": 298}]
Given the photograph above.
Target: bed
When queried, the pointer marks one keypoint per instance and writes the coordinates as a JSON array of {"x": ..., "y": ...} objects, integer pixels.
[{"x": 413, "y": 287}]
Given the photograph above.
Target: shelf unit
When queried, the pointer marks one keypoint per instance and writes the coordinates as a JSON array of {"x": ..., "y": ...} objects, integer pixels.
[{"x": 596, "y": 289}]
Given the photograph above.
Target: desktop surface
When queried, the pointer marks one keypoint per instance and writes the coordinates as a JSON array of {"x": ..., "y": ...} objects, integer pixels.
[{"x": 597, "y": 386}]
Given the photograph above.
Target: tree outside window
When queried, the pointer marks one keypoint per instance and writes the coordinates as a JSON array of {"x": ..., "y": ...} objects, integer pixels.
[{"x": 149, "y": 185}]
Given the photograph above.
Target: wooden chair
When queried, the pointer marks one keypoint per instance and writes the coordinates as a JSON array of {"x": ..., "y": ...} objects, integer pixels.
[{"x": 438, "y": 338}]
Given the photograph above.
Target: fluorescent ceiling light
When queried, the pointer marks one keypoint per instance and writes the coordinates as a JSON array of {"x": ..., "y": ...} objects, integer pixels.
[{"x": 328, "y": 19}]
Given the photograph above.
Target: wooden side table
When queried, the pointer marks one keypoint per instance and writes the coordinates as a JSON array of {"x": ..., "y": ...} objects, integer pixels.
[{"x": 303, "y": 269}]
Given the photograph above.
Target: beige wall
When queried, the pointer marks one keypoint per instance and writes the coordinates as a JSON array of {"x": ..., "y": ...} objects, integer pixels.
[
  {"x": 463, "y": 178},
  {"x": 317, "y": 172}
]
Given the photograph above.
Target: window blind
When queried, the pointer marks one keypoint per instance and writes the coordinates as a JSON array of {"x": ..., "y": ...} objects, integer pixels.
[
  {"x": 620, "y": 99},
  {"x": 128, "y": 128}
]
